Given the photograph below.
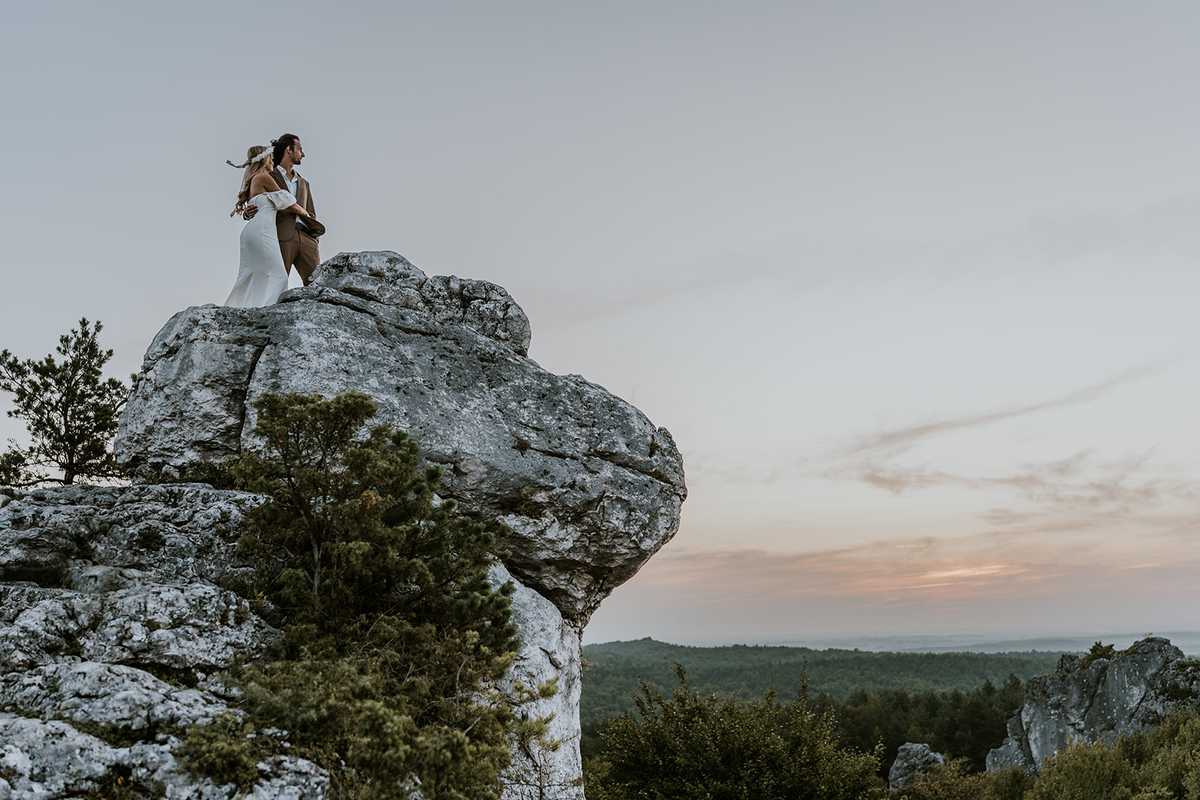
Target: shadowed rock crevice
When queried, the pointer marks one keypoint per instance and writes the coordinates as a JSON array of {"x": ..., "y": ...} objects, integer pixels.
[{"x": 254, "y": 359}]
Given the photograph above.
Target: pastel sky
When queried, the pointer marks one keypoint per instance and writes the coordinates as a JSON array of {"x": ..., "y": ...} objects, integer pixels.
[{"x": 913, "y": 285}]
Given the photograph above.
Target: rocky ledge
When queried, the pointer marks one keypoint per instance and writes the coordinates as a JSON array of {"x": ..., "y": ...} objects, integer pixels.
[
  {"x": 112, "y": 633},
  {"x": 587, "y": 486},
  {"x": 113, "y": 627},
  {"x": 1087, "y": 700}
]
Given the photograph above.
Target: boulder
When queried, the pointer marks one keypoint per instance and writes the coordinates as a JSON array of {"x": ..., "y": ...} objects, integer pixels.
[
  {"x": 114, "y": 628},
  {"x": 587, "y": 486},
  {"x": 911, "y": 761},
  {"x": 1088, "y": 700}
]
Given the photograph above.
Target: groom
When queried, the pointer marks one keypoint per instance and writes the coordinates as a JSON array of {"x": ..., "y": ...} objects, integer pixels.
[{"x": 297, "y": 242}]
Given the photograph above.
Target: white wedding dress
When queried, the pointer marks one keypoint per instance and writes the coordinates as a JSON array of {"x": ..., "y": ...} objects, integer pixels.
[{"x": 261, "y": 277}]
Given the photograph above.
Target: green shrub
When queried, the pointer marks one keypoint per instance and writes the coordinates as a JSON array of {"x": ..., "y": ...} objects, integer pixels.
[
  {"x": 954, "y": 782},
  {"x": 225, "y": 750},
  {"x": 1084, "y": 772},
  {"x": 1098, "y": 651},
  {"x": 705, "y": 747},
  {"x": 393, "y": 637}
]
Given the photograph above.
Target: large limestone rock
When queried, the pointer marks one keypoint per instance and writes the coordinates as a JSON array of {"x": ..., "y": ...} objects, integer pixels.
[
  {"x": 912, "y": 761},
  {"x": 111, "y": 631},
  {"x": 113, "y": 628},
  {"x": 587, "y": 485},
  {"x": 1088, "y": 700}
]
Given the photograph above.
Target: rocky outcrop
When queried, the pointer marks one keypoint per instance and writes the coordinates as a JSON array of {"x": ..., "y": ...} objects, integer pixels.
[
  {"x": 113, "y": 628},
  {"x": 1095, "y": 699},
  {"x": 587, "y": 486},
  {"x": 912, "y": 760},
  {"x": 111, "y": 632}
]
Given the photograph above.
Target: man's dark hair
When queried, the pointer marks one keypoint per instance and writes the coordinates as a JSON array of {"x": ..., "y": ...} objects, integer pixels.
[{"x": 281, "y": 144}]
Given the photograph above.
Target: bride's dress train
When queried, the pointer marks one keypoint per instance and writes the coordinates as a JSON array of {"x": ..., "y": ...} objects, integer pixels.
[{"x": 261, "y": 277}]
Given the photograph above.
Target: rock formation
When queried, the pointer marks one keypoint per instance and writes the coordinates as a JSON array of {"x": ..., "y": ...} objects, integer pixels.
[
  {"x": 911, "y": 761},
  {"x": 113, "y": 631},
  {"x": 1087, "y": 700}
]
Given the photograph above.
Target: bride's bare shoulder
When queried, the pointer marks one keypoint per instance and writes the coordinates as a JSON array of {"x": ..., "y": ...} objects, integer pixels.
[{"x": 262, "y": 182}]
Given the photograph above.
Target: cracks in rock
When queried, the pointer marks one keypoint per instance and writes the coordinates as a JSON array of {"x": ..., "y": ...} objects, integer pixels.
[
  {"x": 330, "y": 298},
  {"x": 1149, "y": 688},
  {"x": 552, "y": 657},
  {"x": 1087, "y": 709},
  {"x": 241, "y": 426},
  {"x": 546, "y": 452},
  {"x": 621, "y": 460},
  {"x": 1023, "y": 742},
  {"x": 45, "y": 577},
  {"x": 617, "y": 460},
  {"x": 359, "y": 293}
]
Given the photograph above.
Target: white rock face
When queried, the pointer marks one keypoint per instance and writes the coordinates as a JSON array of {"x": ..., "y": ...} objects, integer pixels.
[
  {"x": 588, "y": 487},
  {"x": 119, "y": 642},
  {"x": 1098, "y": 701},
  {"x": 47, "y": 760},
  {"x": 111, "y": 619},
  {"x": 550, "y": 652},
  {"x": 116, "y": 695}
]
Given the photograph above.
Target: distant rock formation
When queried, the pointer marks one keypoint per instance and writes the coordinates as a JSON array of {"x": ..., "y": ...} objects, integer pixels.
[
  {"x": 112, "y": 627},
  {"x": 912, "y": 760},
  {"x": 1087, "y": 700}
]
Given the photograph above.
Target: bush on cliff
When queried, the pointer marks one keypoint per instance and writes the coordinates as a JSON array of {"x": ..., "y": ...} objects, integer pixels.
[
  {"x": 1159, "y": 764},
  {"x": 393, "y": 636},
  {"x": 69, "y": 410},
  {"x": 691, "y": 746}
]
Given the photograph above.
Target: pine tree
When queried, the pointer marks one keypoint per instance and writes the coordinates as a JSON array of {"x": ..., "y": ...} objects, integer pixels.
[
  {"x": 394, "y": 638},
  {"x": 69, "y": 409}
]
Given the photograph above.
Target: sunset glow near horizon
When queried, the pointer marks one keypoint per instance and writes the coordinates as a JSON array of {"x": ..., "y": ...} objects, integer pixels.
[{"x": 913, "y": 290}]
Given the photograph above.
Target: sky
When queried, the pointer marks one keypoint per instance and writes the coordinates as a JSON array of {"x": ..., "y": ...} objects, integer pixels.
[{"x": 912, "y": 285}]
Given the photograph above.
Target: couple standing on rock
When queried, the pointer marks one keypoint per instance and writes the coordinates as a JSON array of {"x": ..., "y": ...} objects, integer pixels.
[{"x": 281, "y": 229}]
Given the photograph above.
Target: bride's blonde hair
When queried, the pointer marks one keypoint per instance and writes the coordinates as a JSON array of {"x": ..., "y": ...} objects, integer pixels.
[{"x": 255, "y": 162}]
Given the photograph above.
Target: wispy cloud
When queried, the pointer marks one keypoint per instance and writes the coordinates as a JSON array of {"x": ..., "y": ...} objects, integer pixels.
[
  {"x": 901, "y": 438},
  {"x": 1074, "y": 494},
  {"x": 890, "y": 570},
  {"x": 923, "y": 570}
]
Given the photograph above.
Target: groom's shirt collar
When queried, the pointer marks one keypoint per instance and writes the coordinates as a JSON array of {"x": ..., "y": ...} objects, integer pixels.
[{"x": 291, "y": 183}]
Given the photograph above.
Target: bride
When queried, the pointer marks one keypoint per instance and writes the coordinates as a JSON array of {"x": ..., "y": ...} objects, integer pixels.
[{"x": 261, "y": 277}]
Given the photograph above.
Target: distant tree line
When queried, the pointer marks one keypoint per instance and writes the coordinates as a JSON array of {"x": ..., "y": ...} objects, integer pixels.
[{"x": 693, "y": 745}]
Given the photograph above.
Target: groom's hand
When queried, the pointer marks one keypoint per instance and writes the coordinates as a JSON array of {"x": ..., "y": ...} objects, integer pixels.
[{"x": 249, "y": 212}]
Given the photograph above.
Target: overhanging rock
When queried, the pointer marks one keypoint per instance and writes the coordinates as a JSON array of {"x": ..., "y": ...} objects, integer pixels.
[{"x": 587, "y": 485}]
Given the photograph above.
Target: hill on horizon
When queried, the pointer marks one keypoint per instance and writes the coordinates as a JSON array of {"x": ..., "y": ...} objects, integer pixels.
[{"x": 614, "y": 670}]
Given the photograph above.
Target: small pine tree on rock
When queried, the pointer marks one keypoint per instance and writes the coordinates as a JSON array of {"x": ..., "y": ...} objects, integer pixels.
[
  {"x": 69, "y": 410},
  {"x": 394, "y": 639}
]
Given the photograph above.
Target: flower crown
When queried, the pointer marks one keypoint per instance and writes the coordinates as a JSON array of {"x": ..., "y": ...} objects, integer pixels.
[{"x": 267, "y": 150}]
